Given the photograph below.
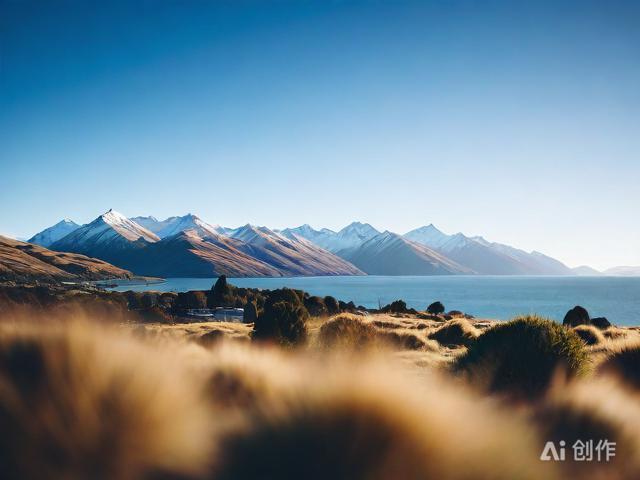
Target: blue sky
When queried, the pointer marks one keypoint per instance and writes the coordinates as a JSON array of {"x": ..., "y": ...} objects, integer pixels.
[{"x": 518, "y": 121}]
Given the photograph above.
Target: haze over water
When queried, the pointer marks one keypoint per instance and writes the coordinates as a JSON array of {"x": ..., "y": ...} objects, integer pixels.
[{"x": 496, "y": 297}]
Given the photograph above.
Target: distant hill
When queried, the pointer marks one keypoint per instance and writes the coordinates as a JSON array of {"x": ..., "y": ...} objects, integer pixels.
[
  {"x": 26, "y": 262},
  {"x": 585, "y": 271},
  {"x": 623, "y": 271}
]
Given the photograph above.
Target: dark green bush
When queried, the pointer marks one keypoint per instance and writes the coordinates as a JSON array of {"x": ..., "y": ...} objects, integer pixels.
[
  {"x": 332, "y": 305},
  {"x": 520, "y": 357},
  {"x": 315, "y": 306},
  {"x": 436, "y": 308},
  {"x": 191, "y": 299},
  {"x": 398, "y": 306},
  {"x": 250, "y": 313},
  {"x": 282, "y": 321}
]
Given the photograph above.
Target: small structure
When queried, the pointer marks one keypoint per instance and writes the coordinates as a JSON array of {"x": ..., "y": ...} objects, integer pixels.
[{"x": 221, "y": 314}]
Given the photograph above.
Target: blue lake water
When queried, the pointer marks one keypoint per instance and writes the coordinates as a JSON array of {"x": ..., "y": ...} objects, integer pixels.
[{"x": 499, "y": 297}]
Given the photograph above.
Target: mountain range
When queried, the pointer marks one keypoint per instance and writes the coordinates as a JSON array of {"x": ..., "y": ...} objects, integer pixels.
[{"x": 190, "y": 247}]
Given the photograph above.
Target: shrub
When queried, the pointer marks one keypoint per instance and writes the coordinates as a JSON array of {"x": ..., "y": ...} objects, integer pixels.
[
  {"x": 221, "y": 294},
  {"x": 315, "y": 306},
  {"x": 282, "y": 322},
  {"x": 576, "y": 316},
  {"x": 347, "y": 307},
  {"x": 600, "y": 322},
  {"x": 250, "y": 313},
  {"x": 589, "y": 334},
  {"x": 521, "y": 356},
  {"x": 455, "y": 332},
  {"x": 331, "y": 304},
  {"x": 624, "y": 364},
  {"x": 398, "y": 306},
  {"x": 154, "y": 314},
  {"x": 347, "y": 331},
  {"x": 436, "y": 308},
  {"x": 191, "y": 299}
]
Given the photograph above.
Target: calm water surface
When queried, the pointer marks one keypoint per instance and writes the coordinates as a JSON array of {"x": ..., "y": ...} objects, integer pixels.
[{"x": 617, "y": 298}]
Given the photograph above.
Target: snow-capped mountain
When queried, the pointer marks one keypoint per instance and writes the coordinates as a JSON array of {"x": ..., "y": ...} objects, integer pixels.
[
  {"x": 487, "y": 258},
  {"x": 111, "y": 237},
  {"x": 391, "y": 254},
  {"x": 189, "y": 246},
  {"x": 173, "y": 225},
  {"x": 349, "y": 237},
  {"x": 52, "y": 234},
  {"x": 428, "y": 235},
  {"x": 293, "y": 255}
]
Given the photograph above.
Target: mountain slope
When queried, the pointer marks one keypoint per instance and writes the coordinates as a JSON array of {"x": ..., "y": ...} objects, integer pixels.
[
  {"x": 428, "y": 235},
  {"x": 111, "y": 237},
  {"x": 50, "y": 235},
  {"x": 487, "y": 258},
  {"x": 186, "y": 254},
  {"x": 26, "y": 262},
  {"x": 292, "y": 255},
  {"x": 391, "y": 254}
]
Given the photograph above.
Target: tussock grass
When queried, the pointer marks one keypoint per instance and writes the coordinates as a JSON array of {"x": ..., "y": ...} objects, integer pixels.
[
  {"x": 81, "y": 400},
  {"x": 624, "y": 363},
  {"x": 348, "y": 332},
  {"x": 520, "y": 357},
  {"x": 368, "y": 423},
  {"x": 594, "y": 410},
  {"x": 589, "y": 334},
  {"x": 455, "y": 332},
  {"x": 78, "y": 401},
  {"x": 352, "y": 332}
]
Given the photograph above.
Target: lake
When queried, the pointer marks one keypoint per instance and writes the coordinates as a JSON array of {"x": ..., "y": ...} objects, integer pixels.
[{"x": 498, "y": 297}]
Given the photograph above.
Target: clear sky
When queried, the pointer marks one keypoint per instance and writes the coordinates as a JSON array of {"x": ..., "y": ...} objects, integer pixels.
[{"x": 516, "y": 121}]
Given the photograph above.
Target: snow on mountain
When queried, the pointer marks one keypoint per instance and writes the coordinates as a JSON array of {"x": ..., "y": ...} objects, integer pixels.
[
  {"x": 174, "y": 225},
  {"x": 391, "y": 254},
  {"x": 349, "y": 237},
  {"x": 487, "y": 258},
  {"x": 111, "y": 237},
  {"x": 50, "y": 235},
  {"x": 428, "y": 235},
  {"x": 293, "y": 255},
  {"x": 323, "y": 238}
]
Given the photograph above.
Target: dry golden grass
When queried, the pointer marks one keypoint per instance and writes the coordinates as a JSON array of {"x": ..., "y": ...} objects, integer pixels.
[
  {"x": 81, "y": 400},
  {"x": 458, "y": 332},
  {"x": 589, "y": 334}
]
